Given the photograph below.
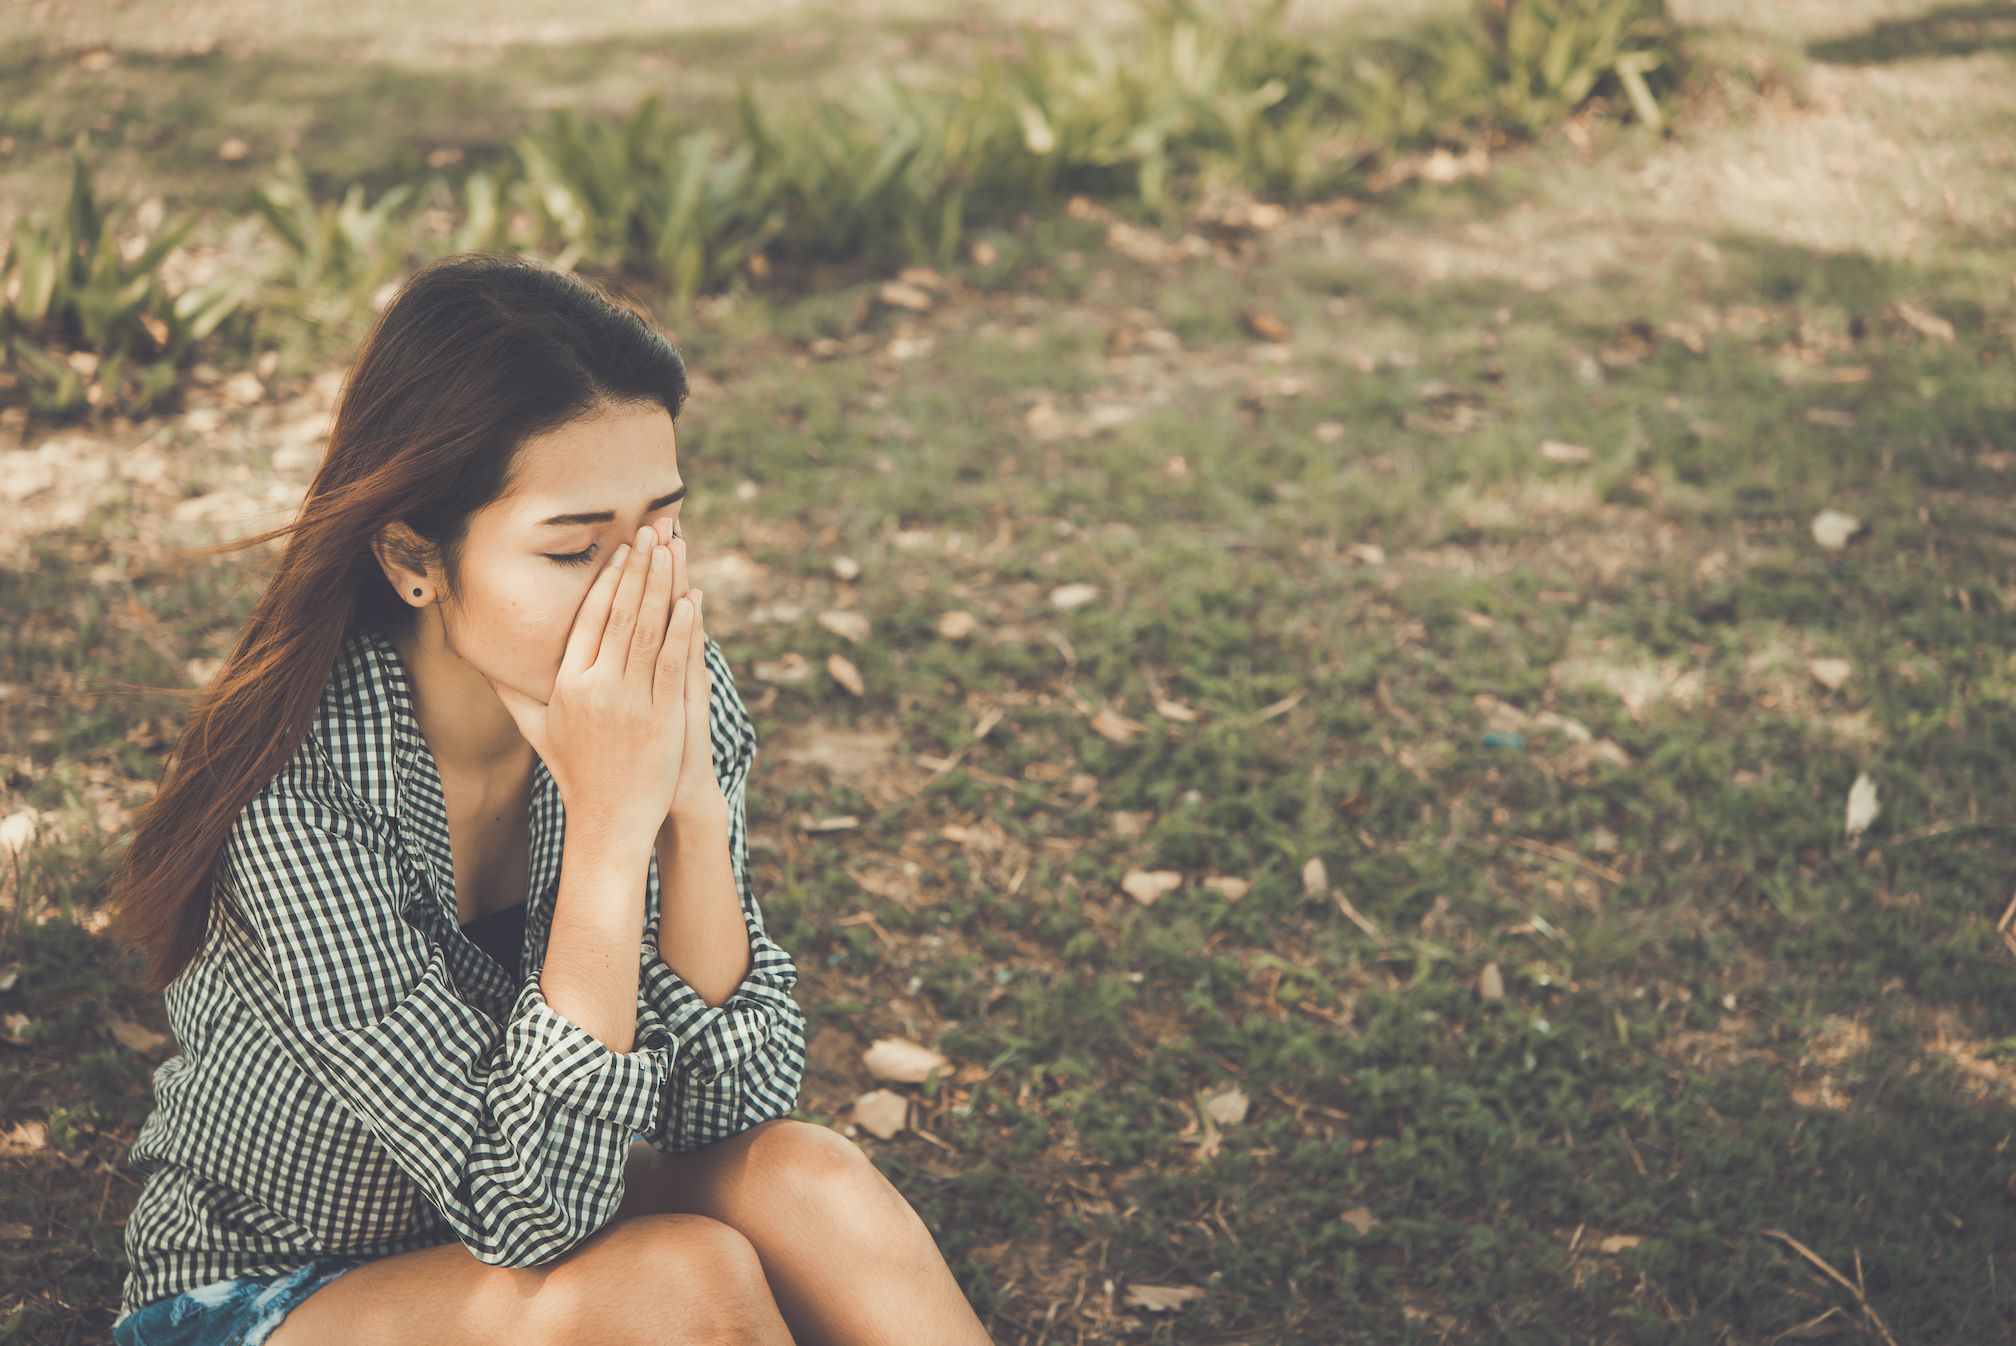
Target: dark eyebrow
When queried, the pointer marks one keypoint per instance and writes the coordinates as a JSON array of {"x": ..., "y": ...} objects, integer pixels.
[{"x": 609, "y": 515}]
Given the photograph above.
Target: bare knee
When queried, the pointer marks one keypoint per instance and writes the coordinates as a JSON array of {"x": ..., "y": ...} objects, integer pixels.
[
  {"x": 810, "y": 1166},
  {"x": 644, "y": 1275}
]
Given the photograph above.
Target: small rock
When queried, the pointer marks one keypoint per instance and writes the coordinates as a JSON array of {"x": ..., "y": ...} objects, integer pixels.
[
  {"x": 1227, "y": 887},
  {"x": 1228, "y": 1106},
  {"x": 1315, "y": 878},
  {"x": 957, "y": 624},
  {"x": 1863, "y": 807},
  {"x": 846, "y": 569},
  {"x": 1491, "y": 983},
  {"x": 901, "y": 294}
]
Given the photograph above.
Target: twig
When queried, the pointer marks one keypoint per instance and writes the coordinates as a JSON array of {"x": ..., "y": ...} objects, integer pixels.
[
  {"x": 2008, "y": 914},
  {"x": 1805, "y": 1329},
  {"x": 1868, "y": 1309},
  {"x": 1563, "y": 853},
  {"x": 980, "y": 730},
  {"x": 1940, "y": 829},
  {"x": 1359, "y": 919}
]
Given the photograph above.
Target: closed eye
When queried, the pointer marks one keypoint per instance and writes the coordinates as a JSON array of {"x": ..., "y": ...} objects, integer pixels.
[{"x": 577, "y": 558}]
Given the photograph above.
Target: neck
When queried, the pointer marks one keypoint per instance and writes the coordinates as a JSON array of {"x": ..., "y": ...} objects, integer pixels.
[{"x": 465, "y": 724}]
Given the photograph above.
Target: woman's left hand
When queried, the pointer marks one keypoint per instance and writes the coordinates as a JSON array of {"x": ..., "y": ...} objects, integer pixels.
[{"x": 697, "y": 799}]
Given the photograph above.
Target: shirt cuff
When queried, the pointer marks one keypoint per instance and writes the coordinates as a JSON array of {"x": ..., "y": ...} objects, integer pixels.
[
  {"x": 710, "y": 1042},
  {"x": 559, "y": 1058}
]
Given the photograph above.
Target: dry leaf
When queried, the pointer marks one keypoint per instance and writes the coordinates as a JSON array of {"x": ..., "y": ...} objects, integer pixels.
[
  {"x": 1491, "y": 983},
  {"x": 846, "y": 569},
  {"x": 1175, "y": 710},
  {"x": 1617, "y": 1243},
  {"x": 1830, "y": 673},
  {"x": 135, "y": 1037},
  {"x": 1265, "y": 325},
  {"x": 842, "y": 671},
  {"x": 957, "y": 624},
  {"x": 25, "y": 1138},
  {"x": 1114, "y": 727},
  {"x": 881, "y": 1113},
  {"x": 1227, "y": 887},
  {"x": 9, "y": 975},
  {"x": 983, "y": 253},
  {"x": 1862, "y": 807},
  {"x": 201, "y": 671},
  {"x": 1926, "y": 322},
  {"x": 902, "y": 1060},
  {"x": 17, "y": 1029},
  {"x": 788, "y": 671},
  {"x": 845, "y": 822},
  {"x": 1328, "y": 432},
  {"x": 901, "y": 294},
  {"x": 15, "y": 1233},
  {"x": 232, "y": 150},
  {"x": 1160, "y": 1298},
  {"x": 1831, "y": 418},
  {"x": 1832, "y": 529},
  {"x": 1148, "y": 886},
  {"x": 850, "y": 626},
  {"x": 1227, "y": 1107},
  {"x": 1556, "y": 451},
  {"x": 1177, "y": 468},
  {"x": 1126, "y": 824},
  {"x": 1315, "y": 878},
  {"x": 1361, "y": 1219},
  {"x": 1368, "y": 553},
  {"x": 1068, "y": 596}
]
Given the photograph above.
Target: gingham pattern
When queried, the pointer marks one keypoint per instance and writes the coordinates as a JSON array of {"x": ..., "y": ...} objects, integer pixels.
[{"x": 357, "y": 1078}]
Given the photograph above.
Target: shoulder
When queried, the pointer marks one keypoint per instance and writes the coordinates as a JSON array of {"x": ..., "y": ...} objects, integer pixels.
[{"x": 340, "y": 780}]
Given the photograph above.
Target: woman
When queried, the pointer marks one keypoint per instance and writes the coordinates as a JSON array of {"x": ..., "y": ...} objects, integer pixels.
[{"x": 448, "y": 888}]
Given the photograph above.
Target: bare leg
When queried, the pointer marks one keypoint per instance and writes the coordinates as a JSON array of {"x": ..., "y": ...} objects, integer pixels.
[
  {"x": 657, "y": 1279},
  {"x": 849, "y": 1262}
]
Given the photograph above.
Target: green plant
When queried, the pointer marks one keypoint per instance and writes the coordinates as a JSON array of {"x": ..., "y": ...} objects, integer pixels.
[
  {"x": 333, "y": 258},
  {"x": 1546, "y": 57},
  {"x": 87, "y": 314},
  {"x": 643, "y": 196}
]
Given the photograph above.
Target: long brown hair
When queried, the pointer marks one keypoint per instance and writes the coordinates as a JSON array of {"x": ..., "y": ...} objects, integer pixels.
[{"x": 475, "y": 356}]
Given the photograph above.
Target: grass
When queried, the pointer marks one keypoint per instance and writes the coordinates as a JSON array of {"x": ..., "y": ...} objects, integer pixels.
[{"x": 1719, "y": 1019}]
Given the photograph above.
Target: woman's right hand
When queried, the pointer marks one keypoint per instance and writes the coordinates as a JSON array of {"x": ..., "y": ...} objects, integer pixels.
[{"x": 613, "y": 733}]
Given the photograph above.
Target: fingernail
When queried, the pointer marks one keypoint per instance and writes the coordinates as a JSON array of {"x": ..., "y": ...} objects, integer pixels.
[
  {"x": 661, "y": 560},
  {"x": 644, "y": 532},
  {"x": 622, "y": 555}
]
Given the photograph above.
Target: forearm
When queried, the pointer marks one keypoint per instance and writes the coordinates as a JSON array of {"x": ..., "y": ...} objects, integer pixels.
[
  {"x": 590, "y": 974},
  {"x": 702, "y": 934}
]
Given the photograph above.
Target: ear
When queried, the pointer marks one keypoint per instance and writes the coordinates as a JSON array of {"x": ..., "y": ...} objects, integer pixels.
[{"x": 408, "y": 561}]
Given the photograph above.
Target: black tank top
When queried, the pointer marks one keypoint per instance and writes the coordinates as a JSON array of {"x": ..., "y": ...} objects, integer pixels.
[{"x": 501, "y": 934}]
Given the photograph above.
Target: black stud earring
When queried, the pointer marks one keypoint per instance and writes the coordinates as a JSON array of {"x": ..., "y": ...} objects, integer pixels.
[{"x": 416, "y": 593}]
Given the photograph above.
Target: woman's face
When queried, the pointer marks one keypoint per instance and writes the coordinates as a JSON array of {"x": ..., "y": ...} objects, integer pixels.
[{"x": 577, "y": 493}]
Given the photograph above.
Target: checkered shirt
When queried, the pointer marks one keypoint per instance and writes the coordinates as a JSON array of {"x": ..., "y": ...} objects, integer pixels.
[{"x": 357, "y": 1078}]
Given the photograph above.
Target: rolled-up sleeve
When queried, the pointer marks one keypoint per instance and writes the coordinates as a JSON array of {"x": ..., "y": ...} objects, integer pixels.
[
  {"x": 515, "y": 1131},
  {"x": 737, "y": 1064}
]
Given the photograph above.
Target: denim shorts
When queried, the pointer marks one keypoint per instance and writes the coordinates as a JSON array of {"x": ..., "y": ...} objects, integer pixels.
[{"x": 241, "y": 1312}]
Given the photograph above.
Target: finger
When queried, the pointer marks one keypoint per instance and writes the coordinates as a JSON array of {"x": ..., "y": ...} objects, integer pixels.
[
  {"x": 671, "y": 673},
  {"x": 698, "y": 686},
  {"x": 679, "y": 580},
  {"x": 623, "y": 607},
  {"x": 651, "y": 615},
  {"x": 586, "y": 638}
]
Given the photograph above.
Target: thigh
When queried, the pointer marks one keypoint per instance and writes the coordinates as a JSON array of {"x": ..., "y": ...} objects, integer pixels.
[{"x": 661, "y": 1279}]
